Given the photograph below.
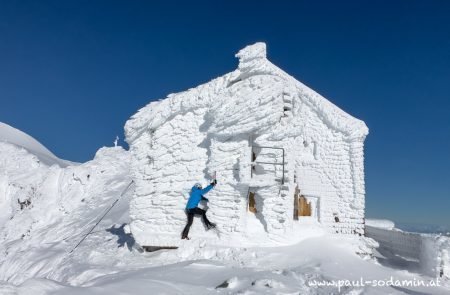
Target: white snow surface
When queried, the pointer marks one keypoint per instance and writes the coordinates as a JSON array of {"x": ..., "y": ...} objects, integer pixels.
[
  {"x": 14, "y": 136},
  {"x": 380, "y": 223}
]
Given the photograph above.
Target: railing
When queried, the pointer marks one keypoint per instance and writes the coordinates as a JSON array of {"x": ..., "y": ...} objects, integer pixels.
[
  {"x": 428, "y": 251},
  {"x": 274, "y": 148}
]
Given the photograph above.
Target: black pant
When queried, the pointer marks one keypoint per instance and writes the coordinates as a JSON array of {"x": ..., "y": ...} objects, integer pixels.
[{"x": 190, "y": 218}]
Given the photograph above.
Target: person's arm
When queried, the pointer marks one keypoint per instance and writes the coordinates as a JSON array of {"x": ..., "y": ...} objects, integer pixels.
[
  {"x": 207, "y": 189},
  {"x": 204, "y": 199}
]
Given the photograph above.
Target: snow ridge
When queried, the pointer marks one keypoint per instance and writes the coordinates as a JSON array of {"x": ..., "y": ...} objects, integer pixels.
[{"x": 14, "y": 136}]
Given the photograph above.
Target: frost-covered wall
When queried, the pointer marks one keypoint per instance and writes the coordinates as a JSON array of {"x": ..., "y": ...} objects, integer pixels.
[
  {"x": 217, "y": 126},
  {"x": 431, "y": 251},
  {"x": 173, "y": 160},
  {"x": 329, "y": 165}
]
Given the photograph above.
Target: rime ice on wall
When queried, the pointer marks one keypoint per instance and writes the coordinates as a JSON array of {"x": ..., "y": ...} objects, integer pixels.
[
  {"x": 431, "y": 251},
  {"x": 220, "y": 126}
]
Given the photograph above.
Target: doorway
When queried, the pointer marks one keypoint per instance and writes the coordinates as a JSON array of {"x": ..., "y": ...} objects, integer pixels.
[
  {"x": 302, "y": 207},
  {"x": 251, "y": 202}
]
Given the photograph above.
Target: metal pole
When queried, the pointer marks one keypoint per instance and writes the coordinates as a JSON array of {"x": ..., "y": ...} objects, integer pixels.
[
  {"x": 269, "y": 163},
  {"x": 269, "y": 147},
  {"x": 251, "y": 165},
  {"x": 282, "y": 180}
]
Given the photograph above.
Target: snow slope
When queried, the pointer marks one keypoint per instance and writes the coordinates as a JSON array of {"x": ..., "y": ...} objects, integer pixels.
[
  {"x": 62, "y": 204},
  {"x": 45, "y": 208},
  {"x": 14, "y": 136},
  {"x": 196, "y": 268}
]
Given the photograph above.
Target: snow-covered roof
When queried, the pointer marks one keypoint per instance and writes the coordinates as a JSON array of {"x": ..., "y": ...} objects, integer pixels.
[{"x": 252, "y": 63}]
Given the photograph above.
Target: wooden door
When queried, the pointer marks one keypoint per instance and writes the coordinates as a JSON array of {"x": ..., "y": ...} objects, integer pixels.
[
  {"x": 304, "y": 207},
  {"x": 301, "y": 205},
  {"x": 251, "y": 202}
]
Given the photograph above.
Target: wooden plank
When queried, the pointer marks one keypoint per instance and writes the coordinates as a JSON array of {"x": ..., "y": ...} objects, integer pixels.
[
  {"x": 305, "y": 207},
  {"x": 156, "y": 248}
]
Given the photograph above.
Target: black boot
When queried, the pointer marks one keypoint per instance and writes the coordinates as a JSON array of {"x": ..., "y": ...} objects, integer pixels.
[{"x": 211, "y": 225}]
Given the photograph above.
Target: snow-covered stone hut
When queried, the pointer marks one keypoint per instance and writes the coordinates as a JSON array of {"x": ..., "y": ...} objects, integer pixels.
[{"x": 283, "y": 154}]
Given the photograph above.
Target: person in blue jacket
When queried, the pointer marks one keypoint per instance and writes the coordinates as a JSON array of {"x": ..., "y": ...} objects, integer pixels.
[{"x": 197, "y": 195}]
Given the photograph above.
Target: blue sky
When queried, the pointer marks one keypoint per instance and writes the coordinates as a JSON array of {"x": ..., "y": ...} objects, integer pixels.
[{"x": 72, "y": 73}]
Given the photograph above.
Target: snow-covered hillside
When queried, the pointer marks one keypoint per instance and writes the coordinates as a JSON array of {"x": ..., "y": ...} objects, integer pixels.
[
  {"x": 45, "y": 211},
  {"x": 18, "y": 138}
]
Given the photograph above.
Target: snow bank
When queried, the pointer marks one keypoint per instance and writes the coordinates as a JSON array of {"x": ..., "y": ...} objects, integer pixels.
[
  {"x": 431, "y": 251},
  {"x": 435, "y": 255},
  {"x": 14, "y": 136},
  {"x": 380, "y": 223},
  {"x": 45, "y": 210},
  {"x": 202, "y": 269}
]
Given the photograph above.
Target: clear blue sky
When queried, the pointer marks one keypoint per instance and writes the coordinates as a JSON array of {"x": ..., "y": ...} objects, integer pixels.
[{"x": 72, "y": 72}]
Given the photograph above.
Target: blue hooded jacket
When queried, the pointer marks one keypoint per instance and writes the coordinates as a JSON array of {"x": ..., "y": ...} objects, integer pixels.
[{"x": 196, "y": 196}]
